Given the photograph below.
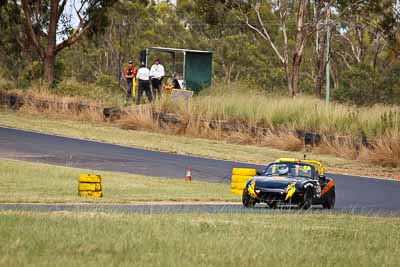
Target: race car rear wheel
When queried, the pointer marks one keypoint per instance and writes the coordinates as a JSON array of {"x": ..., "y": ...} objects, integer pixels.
[
  {"x": 330, "y": 200},
  {"x": 306, "y": 202},
  {"x": 247, "y": 200}
]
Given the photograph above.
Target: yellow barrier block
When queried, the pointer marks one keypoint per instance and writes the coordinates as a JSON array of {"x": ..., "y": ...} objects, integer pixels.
[
  {"x": 236, "y": 191},
  {"x": 90, "y": 178},
  {"x": 89, "y": 187},
  {"x": 244, "y": 171},
  {"x": 91, "y": 194},
  {"x": 240, "y": 179},
  {"x": 239, "y": 186}
]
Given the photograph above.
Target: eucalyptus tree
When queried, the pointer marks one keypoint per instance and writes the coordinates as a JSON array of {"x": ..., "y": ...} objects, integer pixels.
[
  {"x": 48, "y": 25},
  {"x": 289, "y": 47},
  {"x": 367, "y": 30}
]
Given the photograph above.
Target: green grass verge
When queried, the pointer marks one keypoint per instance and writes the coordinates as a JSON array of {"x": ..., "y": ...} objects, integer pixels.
[
  {"x": 34, "y": 182},
  {"x": 110, "y": 239},
  {"x": 179, "y": 144}
]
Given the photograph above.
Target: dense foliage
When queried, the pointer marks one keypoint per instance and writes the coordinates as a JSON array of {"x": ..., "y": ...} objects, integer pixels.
[{"x": 364, "y": 44}]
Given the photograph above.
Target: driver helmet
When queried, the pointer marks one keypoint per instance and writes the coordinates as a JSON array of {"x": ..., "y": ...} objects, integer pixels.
[{"x": 283, "y": 170}]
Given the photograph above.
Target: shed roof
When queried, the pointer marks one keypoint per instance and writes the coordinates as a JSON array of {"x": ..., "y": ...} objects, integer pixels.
[{"x": 167, "y": 49}]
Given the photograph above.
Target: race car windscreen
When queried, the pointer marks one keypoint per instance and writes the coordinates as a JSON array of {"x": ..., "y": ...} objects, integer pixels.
[{"x": 290, "y": 169}]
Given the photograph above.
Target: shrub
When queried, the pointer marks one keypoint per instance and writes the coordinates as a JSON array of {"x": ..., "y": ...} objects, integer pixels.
[
  {"x": 6, "y": 84},
  {"x": 30, "y": 73},
  {"x": 107, "y": 81},
  {"x": 110, "y": 95},
  {"x": 360, "y": 86},
  {"x": 391, "y": 86}
]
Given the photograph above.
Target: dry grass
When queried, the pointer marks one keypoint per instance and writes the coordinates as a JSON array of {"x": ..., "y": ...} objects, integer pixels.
[
  {"x": 138, "y": 117},
  {"x": 385, "y": 151},
  {"x": 288, "y": 141},
  {"x": 44, "y": 101},
  {"x": 339, "y": 146},
  {"x": 142, "y": 118}
]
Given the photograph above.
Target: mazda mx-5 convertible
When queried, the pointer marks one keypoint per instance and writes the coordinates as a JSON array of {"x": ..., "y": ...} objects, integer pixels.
[{"x": 291, "y": 183}]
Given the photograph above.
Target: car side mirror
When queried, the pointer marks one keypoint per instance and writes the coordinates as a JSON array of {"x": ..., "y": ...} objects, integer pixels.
[{"x": 259, "y": 173}]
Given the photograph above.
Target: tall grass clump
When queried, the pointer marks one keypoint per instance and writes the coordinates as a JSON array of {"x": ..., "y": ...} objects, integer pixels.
[
  {"x": 385, "y": 150},
  {"x": 256, "y": 108}
]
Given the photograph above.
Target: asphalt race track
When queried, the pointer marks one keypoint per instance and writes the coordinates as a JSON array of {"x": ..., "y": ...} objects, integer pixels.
[{"x": 352, "y": 193}]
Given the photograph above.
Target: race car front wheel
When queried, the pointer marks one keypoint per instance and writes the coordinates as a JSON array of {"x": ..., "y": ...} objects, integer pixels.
[
  {"x": 247, "y": 200},
  {"x": 306, "y": 202}
]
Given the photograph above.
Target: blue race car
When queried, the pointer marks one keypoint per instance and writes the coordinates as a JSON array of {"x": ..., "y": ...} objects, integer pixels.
[{"x": 290, "y": 182}]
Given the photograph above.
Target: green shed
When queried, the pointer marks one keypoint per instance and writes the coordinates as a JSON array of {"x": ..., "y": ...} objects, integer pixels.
[{"x": 195, "y": 65}]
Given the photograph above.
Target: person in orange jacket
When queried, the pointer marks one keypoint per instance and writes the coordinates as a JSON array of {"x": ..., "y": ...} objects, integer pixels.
[{"x": 130, "y": 74}]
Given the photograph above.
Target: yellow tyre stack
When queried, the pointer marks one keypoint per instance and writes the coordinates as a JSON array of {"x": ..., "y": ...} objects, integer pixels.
[
  {"x": 239, "y": 179},
  {"x": 90, "y": 185}
]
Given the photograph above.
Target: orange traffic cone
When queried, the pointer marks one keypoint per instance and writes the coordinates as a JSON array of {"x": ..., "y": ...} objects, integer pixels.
[{"x": 188, "y": 176}]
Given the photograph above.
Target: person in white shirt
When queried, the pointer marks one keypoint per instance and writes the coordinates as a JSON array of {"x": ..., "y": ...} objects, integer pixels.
[
  {"x": 157, "y": 73},
  {"x": 143, "y": 77}
]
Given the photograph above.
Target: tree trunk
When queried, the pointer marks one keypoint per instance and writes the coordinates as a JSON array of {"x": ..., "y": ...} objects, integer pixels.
[
  {"x": 300, "y": 42},
  {"x": 50, "y": 54},
  {"x": 319, "y": 80},
  {"x": 288, "y": 78},
  {"x": 49, "y": 62},
  {"x": 320, "y": 43},
  {"x": 320, "y": 65},
  {"x": 334, "y": 76},
  {"x": 295, "y": 74}
]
